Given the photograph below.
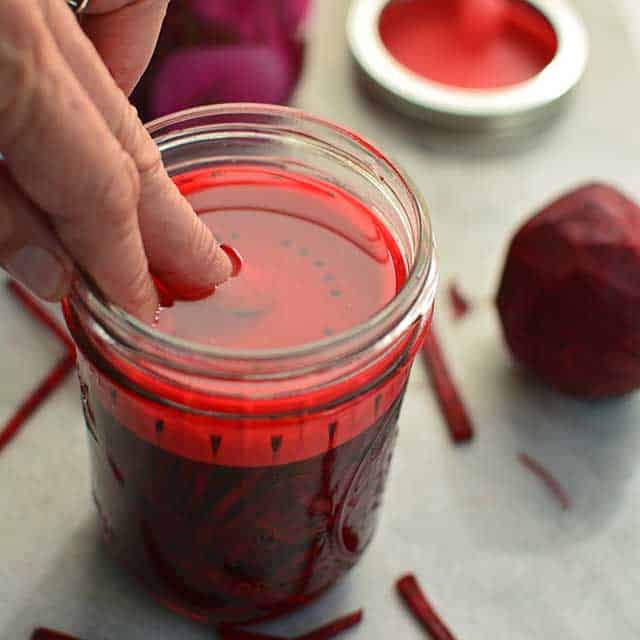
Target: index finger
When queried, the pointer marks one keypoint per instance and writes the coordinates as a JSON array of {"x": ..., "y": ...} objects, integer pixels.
[
  {"x": 61, "y": 152},
  {"x": 182, "y": 251}
]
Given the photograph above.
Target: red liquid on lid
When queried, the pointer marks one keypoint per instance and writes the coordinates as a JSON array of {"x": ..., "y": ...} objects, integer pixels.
[
  {"x": 310, "y": 261},
  {"x": 472, "y": 44}
]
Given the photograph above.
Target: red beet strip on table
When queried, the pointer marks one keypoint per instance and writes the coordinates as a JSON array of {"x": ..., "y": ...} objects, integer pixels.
[
  {"x": 453, "y": 409},
  {"x": 413, "y": 595},
  {"x": 459, "y": 303},
  {"x": 35, "y": 399},
  {"x": 326, "y": 632},
  {"x": 53, "y": 379},
  {"x": 48, "y": 634},
  {"x": 556, "y": 489},
  {"x": 334, "y": 628}
]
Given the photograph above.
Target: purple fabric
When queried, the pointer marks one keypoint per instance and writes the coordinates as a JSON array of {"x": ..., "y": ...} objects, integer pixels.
[
  {"x": 202, "y": 75},
  {"x": 225, "y": 51}
]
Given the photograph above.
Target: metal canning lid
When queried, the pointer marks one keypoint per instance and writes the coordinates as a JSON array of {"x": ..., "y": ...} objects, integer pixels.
[{"x": 518, "y": 105}]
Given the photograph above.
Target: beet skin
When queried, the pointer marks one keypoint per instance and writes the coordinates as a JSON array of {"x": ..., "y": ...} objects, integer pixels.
[{"x": 569, "y": 300}]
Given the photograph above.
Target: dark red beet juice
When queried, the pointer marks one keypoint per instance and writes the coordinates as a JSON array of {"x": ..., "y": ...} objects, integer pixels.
[{"x": 240, "y": 448}]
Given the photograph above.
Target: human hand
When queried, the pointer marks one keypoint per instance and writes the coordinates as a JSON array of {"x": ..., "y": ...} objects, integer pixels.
[{"x": 82, "y": 182}]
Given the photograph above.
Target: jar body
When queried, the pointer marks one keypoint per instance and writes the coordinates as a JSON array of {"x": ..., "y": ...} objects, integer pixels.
[
  {"x": 237, "y": 542},
  {"x": 238, "y": 484}
]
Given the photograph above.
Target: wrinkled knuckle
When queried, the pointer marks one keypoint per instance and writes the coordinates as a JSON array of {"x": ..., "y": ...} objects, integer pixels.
[
  {"x": 137, "y": 288},
  {"x": 132, "y": 135},
  {"x": 201, "y": 240},
  {"x": 120, "y": 191},
  {"x": 125, "y": 129},
  {"x": 150, "y": 163}
]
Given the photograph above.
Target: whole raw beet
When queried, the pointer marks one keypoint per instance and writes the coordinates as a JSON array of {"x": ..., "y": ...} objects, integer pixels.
[{"x": 569, "y": 300}]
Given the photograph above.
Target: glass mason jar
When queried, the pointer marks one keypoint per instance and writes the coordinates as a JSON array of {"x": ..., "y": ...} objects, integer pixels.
[{"x": 238, "y": 484}]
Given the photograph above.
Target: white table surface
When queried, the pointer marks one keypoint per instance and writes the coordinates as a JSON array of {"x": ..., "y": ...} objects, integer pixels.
[{"x": 498, "y": 557}]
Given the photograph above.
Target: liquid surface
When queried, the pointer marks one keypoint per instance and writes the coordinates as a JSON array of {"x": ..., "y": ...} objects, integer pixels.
[
  {"x": 473, "y": 44},
  {"x": 315, "y": 261}
]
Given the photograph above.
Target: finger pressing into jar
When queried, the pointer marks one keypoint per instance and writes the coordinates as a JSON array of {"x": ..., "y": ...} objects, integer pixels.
[{"x": 182, "y": 251}]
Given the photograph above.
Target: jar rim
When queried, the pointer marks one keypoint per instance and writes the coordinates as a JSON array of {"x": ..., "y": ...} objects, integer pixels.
[{"x": 421, "y": 279}]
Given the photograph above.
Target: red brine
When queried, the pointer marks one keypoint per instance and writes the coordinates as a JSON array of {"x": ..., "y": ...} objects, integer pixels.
[
  {"x": 314, "y": 261},
  {"x": 237, "y": 509}
]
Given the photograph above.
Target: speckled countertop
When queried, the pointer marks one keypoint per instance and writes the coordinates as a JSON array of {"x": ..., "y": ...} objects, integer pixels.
[{"x": 499, "y": 558}]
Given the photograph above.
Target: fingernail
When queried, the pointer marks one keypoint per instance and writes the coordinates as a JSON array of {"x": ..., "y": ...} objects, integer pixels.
[
  {"x": 234, "y": 257},
  {"x": 40, "y": 270}
]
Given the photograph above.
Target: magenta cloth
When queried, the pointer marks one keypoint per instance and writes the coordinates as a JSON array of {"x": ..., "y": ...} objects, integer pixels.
[
  {"x": 213, "y": 51},
  {"x": 254, "y": 20},
  {"x": 235, "y": 73}
]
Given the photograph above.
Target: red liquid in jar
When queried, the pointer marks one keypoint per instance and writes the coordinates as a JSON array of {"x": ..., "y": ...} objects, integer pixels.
[
  {"x": 439, "y": 41},
  {"x": 315, "y": 262},
  {"x": 243, "y": 516}
]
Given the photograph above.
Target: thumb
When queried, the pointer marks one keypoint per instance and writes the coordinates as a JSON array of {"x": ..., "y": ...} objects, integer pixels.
[{"x": 29, "y": 250}]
